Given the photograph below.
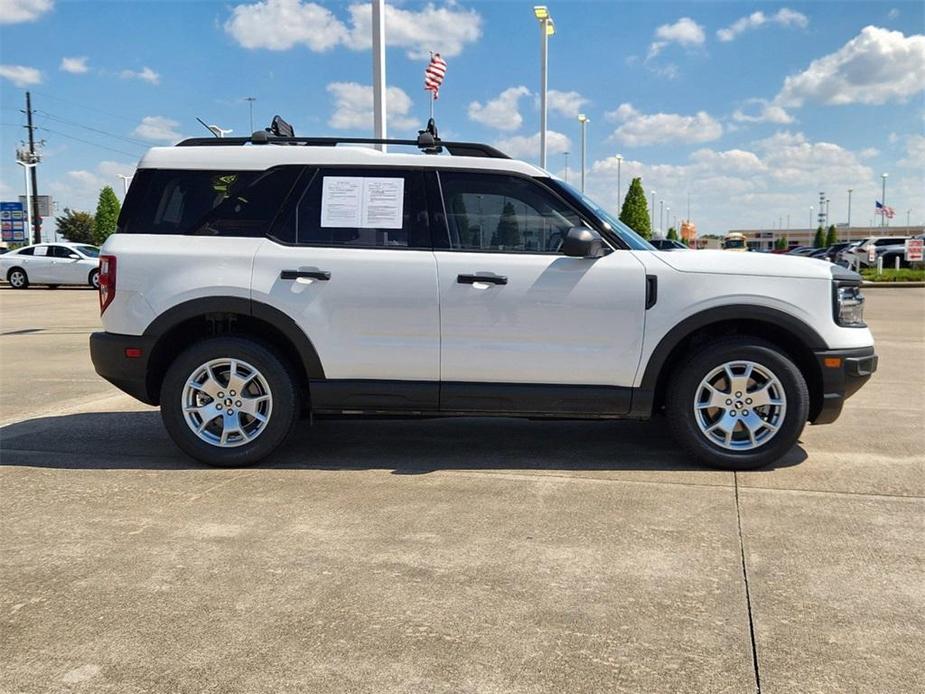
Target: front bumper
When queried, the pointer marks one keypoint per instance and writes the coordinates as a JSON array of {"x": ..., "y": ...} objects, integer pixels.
[
  {"x": 843, "y": 371},
  {"x": 128, "y": 373}
]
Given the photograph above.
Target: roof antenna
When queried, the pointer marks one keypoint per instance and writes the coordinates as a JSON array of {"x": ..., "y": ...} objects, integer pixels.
[
  {"x": 207, "y": 127},
  {"x": 214, "y": 129}
]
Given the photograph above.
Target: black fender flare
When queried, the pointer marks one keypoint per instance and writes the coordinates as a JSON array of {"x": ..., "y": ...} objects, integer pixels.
[
  {"x": 194, "y": 308},
  {"x": 644, "y": 397}
]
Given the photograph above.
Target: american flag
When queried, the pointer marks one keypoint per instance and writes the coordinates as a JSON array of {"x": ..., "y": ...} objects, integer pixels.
[
  {"x": 434, "y": 74},
  {"x": 886, "y": 211}
]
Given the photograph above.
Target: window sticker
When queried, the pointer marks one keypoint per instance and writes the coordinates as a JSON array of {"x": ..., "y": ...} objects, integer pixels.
[{"x": 362, "y": 202}]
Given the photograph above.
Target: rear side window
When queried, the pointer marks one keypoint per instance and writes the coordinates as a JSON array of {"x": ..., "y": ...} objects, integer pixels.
[
  {"x": 27, "y": 251},
  {"x": 362, "y": 208},
  {"x": 206, "y": 203}
]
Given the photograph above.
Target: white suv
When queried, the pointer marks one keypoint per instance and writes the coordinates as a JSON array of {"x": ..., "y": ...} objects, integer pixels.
[{"x": 255, "y": 281}]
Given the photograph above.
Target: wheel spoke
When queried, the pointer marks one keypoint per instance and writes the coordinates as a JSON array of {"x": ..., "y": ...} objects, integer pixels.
[
  {"x": 717, "y": 398},
  {"x": 762, "y": 396},
  {"x": 251, "y": 406},
  {"x": 231, "y": 423}
]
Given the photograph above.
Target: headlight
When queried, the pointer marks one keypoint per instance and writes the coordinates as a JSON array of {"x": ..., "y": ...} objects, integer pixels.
[{"x": 849, "y": 306}]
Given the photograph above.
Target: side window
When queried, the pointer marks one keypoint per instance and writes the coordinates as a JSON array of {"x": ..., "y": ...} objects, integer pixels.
[
  {"x": 60, "y": 252},
  {"x": 364, "y": 208},
  {"x": 41, "y": 250},
  {"x": 27, "y": 251},
  {"x": 206, "y": 203},
  {"x": 498, "y": 212}
]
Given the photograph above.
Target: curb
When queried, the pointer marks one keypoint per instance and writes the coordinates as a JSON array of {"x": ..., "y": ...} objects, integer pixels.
[{"x": 892, "y": 285}]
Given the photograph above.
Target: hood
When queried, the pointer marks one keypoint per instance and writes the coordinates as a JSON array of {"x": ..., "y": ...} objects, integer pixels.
[{"x": 755, "y": 264}]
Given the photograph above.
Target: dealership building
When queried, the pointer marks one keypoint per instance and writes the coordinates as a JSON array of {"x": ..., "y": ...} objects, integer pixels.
[{"x": 764, "y": 239}]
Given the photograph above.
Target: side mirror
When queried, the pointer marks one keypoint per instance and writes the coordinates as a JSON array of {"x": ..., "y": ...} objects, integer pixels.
[
  {"x": 73, "y": 256},
  {"x": 582, "y": 242}
]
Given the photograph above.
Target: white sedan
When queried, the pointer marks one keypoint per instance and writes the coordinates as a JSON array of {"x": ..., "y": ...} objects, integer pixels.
[{"x": 52, "y": 264}]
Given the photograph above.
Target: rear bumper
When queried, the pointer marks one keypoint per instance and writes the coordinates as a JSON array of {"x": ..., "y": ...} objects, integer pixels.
[
  {"x": 129, "y": 374},
  {"x": 843, "y": 371}
]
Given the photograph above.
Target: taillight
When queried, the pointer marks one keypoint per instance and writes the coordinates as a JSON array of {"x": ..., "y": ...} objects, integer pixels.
[{"x": 107, "y": 281}]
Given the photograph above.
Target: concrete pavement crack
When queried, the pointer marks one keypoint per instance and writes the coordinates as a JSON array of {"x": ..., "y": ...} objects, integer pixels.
[{"x": 748, "y": 597}]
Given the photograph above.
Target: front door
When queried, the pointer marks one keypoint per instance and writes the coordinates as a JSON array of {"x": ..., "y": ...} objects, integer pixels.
[
  {"x": 523, "y": 327},
  {"x": 352, "y": 264}
]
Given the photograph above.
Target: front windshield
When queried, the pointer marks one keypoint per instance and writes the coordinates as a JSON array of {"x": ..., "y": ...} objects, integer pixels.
[
  {"x": 734, "y": 243},
  {"x": 89, "y": 251},
  {"x": 630, "y": 237}
]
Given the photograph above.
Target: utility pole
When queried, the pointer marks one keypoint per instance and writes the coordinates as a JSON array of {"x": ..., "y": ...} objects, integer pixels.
[
  {"x": 250, "y": 101},
  {"x": 379, "y": 92},
  {"x": 566, "y": 166},
  {"x": 34, "y": 202},
  {"x": 850, "y": 191}
]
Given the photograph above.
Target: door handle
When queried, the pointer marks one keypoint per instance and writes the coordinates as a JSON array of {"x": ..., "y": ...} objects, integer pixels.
[
  {"x": 490, "y": 278},
  {"x": 307, "y": 274}
]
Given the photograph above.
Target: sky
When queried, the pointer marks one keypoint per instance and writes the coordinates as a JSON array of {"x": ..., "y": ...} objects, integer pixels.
[{"x": 750, "y": 109}]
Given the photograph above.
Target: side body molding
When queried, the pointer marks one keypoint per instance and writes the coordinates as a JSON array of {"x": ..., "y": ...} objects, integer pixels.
[{"x": 229, "y": 304}]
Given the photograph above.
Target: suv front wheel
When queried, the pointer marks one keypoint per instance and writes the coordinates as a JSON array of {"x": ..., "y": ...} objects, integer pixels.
[
  {"x": 738, "y": 404},
  {"x": 229, "y": 401}
]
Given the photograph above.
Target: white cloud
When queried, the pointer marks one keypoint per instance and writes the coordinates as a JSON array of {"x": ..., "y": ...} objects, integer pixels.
[
  {"x": 528, "y": 147},
  {"x": 502, "y": 112},
  {"x": 158, "y": 129},
  {"x": 353, "y": 107},
  {"x": 280, "y": 25},
  {"x": 568, "y": 104},
  {"x": 766, "y": 113},
  {"x": 875, "y": 67},
  {"x": 915, "y": 152},
  {"x": 783, "y": 17},
  {"x": 640, "y": 129},
  {"x": 756, "y": 186},
  {"x": 79, "y": 189},
  {"x": 146, "y": 74},
  {"x": 76, "y": 65},
  {"x": 16, "y": 11},
  {"x": 20, "y": 75},
  {"x": 685, "y": 32}
]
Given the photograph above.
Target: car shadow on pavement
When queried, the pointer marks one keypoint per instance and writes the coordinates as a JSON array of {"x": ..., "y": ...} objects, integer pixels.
[{"x": 137, "y": 440}]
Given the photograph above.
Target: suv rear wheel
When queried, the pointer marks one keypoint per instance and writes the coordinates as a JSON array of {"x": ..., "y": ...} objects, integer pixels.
[
  {"x": 738, "y": 404},
  {"x": 229, "y": 401}
]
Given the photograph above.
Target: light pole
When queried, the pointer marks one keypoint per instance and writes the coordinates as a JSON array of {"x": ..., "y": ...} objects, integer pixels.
[
  {"x": 125, "y": 180},
  {"x": 850, "y": 191},
  {"x": 566, "y": 166},
  {"x": 250, "y": 101},
  {"x": 908, "y": 217},
  {"x": 827, "y": 212},
  {"x": 583, "y": 121},
  {"x": 668, "y": 217},
  {"x": 379, "y": 92},
  {"x": 652, "y": 220},
  {"x": 547, "y": 29},
  {"x": 661, "y": 217},
  {"x": 619, "y": 187},
  {"x": 810, "y": 217},
  {"x": 883, "y": 201},
  {"x": 27, "y": 170}
]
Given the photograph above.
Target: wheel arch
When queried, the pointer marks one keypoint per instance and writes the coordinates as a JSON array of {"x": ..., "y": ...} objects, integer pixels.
[
  {"x": 14, "y": 268},
  {"x": 797, "y": 339},
  {"x": 199, "y": 319}
]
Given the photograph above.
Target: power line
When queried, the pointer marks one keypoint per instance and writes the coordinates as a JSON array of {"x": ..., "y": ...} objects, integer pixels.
[
  {"x": 131, "y": 140},
  {"x": 87, "y": 142},
  {"x": 89, "y": 108}
]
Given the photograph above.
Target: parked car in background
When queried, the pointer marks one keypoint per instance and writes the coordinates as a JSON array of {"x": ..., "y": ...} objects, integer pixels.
[
  {"x": 831, "y": 253},
  {"x": 887, "y": 247},
  {"x": 845, "y": 255},
  {"x": 668, "y": 245},
  {"x": 801, "y": 250},
  {"x": 52, "y": 264},
  {"x": 734, "y": 241},
  {"x": 817, "y": 253}
]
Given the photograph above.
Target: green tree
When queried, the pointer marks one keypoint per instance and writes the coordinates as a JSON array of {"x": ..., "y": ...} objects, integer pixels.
[
  {"x": 507, "y": 235},
  {"x": 831, "y": 238},
  {"x": 107, "y": 214},
  {"x": 672, "y": 234},
  {"x": 635, "y": 212},
  {"x": 819, "y": 238},
  {"x": 76, "y": 226},
  {"x": 781, "y": 243}
]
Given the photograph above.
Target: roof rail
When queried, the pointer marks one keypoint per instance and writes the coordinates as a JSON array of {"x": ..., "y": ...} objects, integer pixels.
[{"x": 428, "y": 145}]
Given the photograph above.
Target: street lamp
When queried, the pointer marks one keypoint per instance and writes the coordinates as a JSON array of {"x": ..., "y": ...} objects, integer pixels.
[
  {"x": 883, "y": 201},
  {"x": 668, "y": 217},
  {"x": 652, "y": 214},
  {"x": 566, "y": 165},
  {"x": 810, "y": 217},
  {"x": 850, "y": 191},
  {"x": 547, "y": 29},
  {"x": 26, "y": 169},
  {"x": 583, "y": 120},
  {"x": 250, "y": 100},
  {"x": 661, "y": 217},
  {"x": 125, "y": 180},
  {"x": 619, "y": 187}
]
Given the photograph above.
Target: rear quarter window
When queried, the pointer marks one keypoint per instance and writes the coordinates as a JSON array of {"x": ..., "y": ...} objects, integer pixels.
[{"x": 205, "y": 202}]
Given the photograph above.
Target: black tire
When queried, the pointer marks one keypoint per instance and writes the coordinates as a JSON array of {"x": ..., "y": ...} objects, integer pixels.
[
  {"x": 683, "y": 390},
  {"x": 22, "y": 282},
  {"x": 94, "y": 279},
  {"x": 278, "y": 376},
  {"x": 53, "y": 286}
]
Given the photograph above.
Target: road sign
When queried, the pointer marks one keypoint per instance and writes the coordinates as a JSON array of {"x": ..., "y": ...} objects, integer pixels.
[
  {"x": 45, "y": 204},
  {"x": 12, "y": 221},
  {"x": 914, "y": 250},
  {"x": 871, "y": 253}
]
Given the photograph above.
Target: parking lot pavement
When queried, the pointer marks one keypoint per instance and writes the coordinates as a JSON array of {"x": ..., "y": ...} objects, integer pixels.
[{"x": 450, "y": 555}]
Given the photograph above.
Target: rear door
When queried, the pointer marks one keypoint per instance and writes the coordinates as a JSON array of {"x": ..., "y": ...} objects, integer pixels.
[
  {"x": 351, "y": 262},
  {"x": 39, "y": 266},
  {"x": 515, "y": 311}
]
